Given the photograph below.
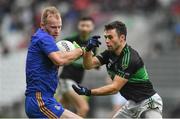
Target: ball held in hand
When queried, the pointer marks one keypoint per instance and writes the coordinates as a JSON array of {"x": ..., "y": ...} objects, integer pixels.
[{"x": 65, "y": 45}]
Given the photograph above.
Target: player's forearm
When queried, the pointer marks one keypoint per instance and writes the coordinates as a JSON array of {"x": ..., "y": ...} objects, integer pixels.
[
  {"x": 87, "y": 60},
  {"x": 63, "y": 58},
  {"x": 69, "y": 57},
  {"x": 105, "y": 90}
]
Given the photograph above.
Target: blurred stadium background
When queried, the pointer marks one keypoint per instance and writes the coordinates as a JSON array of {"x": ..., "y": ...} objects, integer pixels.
[{"x": 153, "y": 29}]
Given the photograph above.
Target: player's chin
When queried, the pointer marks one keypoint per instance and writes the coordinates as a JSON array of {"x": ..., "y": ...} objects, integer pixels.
[
  {"x": 55, "y": 36},
  {"x": 110, "y": 48}
]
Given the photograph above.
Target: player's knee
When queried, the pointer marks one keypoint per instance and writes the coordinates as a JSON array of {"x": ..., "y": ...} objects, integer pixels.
[{"x": 85, "y": 109}]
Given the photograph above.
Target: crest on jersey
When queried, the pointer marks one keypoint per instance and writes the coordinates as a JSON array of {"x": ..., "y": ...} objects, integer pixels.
[
  {"x": 57, "y": 107},
  {"x": 124, "y": 66}
]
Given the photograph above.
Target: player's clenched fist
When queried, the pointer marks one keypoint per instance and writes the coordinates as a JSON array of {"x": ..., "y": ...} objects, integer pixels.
[
  {"x": 92, "y": 43},
  {"x": 81, "y": 90}
]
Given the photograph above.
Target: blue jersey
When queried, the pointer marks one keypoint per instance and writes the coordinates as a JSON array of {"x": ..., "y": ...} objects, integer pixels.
[{"x": 41, "y": 73}]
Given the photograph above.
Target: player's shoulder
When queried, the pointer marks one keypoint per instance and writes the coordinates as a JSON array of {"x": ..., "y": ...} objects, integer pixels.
[
  {"x": 46, "y": 37},
  {"x": 130, "y": 57},
  {"x": 42, "y": 35},
  {"x": 134, "y": 54}
]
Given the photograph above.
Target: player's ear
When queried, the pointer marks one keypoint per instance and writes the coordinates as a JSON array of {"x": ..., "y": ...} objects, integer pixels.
[{"x": 122, "y": 37}]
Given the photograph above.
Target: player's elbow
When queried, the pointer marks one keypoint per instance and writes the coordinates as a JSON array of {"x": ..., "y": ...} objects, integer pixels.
[
  {"x": 59, "y": 62},
  {"x": 115, "y": 88},
  {"x": 62, "y": 62},
  {"x": 55, "y": 61},
  {"x": 56, "y": 58}
]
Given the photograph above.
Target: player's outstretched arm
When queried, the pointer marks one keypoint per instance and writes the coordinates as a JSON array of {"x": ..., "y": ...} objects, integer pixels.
[
  {"x": 64, "y": 58},
  {"x": 114, "y": 87},
  {"x": 89, "y": 61}
]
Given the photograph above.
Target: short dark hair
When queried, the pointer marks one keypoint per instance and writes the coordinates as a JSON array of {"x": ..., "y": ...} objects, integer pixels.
[
  {"x": 87, "y": 19},
  {"x": 119, "y": 26}
]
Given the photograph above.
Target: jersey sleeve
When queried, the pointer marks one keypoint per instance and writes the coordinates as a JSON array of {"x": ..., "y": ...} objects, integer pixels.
[
  {"x": 103, "y": 57},
  {"x": 47, "y": 45}
]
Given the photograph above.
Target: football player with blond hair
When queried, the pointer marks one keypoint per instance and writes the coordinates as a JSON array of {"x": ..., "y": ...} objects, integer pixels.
[{"x": 43, "y": 60}]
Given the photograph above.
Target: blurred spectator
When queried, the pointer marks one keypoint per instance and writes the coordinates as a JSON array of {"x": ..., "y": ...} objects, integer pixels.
[
  {"x": 5, "y": 49},
  {"x": 175, "y": 11},
  {"x": 177, "y": 34}
]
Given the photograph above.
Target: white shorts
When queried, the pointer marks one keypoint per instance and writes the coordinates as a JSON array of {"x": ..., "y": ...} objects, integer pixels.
[
  {"x": 118, "y": 99},
  {"x": 134, "y": 110},
  {"x": 65, "y": 85}
]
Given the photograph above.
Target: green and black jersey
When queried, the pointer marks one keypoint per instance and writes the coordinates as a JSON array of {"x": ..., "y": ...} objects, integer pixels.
[
  {"x": 129, "y": 65},
  {"x": 75, "y": 70}
]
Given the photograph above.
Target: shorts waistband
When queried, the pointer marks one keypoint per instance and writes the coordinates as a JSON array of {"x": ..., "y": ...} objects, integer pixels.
[{"x": 42, "y": 94}]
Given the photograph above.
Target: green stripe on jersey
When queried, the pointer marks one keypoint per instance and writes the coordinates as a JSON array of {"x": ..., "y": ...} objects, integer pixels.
[
  {"x": 140, "y": 76},
  {"x": 126, "y": 58},
  {"x": 112, "y": 74}
]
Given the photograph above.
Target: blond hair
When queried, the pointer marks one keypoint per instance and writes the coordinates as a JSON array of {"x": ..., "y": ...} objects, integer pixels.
[{"x": 49, "y": 12}]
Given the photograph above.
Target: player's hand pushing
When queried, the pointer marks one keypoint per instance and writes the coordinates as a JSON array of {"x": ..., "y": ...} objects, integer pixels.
[
  {"x": 92, "y": 43},
  {"x": 81, "y": 90}
]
